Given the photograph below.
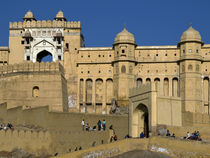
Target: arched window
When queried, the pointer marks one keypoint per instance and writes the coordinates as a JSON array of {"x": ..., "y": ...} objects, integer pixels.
[
  {"x": 175, "y": 87},
  {"x": 166, "y": 87},
  {"x": 81, "y": 91},
  {"x": 138, "y": 82},
  {"x": 148, "y": 80},
  {"x": 157, "y": 84},
  {"x": 88, "y": 91},
  {"x": 35, "y": 92},
  {"x": 123, "y": 69},
  {"x": 109, "y": 91},
  {"x": 99, "y": 91}
]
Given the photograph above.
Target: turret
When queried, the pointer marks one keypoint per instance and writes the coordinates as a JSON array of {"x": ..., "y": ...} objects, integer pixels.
[
  {"x": 124, "y": 63},
  {"x": 60, "y": 16},
  {"x": 29, "y": 16},
  {"x": 190, "y": 70}
]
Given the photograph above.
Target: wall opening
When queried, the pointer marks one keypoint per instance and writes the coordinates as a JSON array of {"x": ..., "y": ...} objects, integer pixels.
[
  {"x": 35, "y": 92},
  {"x": 44, "y": 56}
]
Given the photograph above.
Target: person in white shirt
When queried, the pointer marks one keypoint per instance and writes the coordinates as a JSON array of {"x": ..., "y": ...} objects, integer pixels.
[
  {"x": 83, "y": 125},
  {"x": 188, "y": 135}
]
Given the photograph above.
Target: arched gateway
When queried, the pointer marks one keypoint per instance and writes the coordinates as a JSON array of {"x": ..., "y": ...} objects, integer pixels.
[
  {"x": 142, "y": 110},
  {"x": 44, "y": 56},
  {"x": 141, "y": 120}
]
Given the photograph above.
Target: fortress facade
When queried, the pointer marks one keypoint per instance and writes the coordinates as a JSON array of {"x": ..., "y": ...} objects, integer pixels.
[{"x": 88, "y": 79}]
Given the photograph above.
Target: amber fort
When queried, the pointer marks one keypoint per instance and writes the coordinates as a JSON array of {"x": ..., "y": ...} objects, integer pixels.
[{"x": 135, "y": 88}]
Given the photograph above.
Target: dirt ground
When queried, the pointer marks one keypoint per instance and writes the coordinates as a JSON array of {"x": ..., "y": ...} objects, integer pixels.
[{"x": 142, "y": 154}]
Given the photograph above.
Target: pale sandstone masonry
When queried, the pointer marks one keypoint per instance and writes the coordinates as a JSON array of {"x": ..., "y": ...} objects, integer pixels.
[{"x": 97, "y": 75}]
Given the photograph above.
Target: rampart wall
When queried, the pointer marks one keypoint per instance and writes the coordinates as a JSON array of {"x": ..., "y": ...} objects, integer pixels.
[
  {"x": 44, "y": 24},
  {"x": 31, "y": 67},
  {"x": 33, "y": 142},
  {"x": 167, "y": 146},
  {"x": 34, "y": 84},
  {"x": 64, "y": 128}
]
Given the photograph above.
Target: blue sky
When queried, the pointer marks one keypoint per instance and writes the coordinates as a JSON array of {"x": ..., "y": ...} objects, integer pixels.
[{"x": 153, "y": 22}]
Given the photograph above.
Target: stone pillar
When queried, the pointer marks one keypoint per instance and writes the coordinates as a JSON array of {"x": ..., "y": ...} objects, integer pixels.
[
  {"x": 78, "y": 95},
  {"x": 84, "y": 93},
  {"x": 104, "y": 96},
  {"x": 94, "y": 95},
  {"x": 170, "y": 86}
]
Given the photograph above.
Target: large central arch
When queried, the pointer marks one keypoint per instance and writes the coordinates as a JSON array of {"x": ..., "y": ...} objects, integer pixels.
[
  {"x": 141, "y": 120},
  {"x": 44, "y": 56}
]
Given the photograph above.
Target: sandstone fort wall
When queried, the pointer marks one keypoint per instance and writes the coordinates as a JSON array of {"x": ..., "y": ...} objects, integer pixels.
[{"x": 65, "y": 128}]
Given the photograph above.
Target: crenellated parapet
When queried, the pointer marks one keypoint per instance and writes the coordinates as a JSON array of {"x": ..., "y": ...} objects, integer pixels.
[
  {"x": 45, "y": 24},
  {"x": 23, "y": 133},
  {"x": 32, "y": 67}
]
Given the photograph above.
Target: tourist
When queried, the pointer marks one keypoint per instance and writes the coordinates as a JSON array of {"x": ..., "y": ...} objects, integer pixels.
[
  {"x": 127, "y": 136},
  {"x": 168, "y": 133},
  {"x": 104, "y": 125},
  {"x": 188, "y": 135},
  {"x": 75, "y": 149},
  {"x": 1, "y": 127},
  {"x": 87, "y": 127},
  {"x": 173, "y": 135},
  {"x": 5, "y": 127},
  {"x": 115, "y": 137},
  {"x": 141, "y": 135},
  {"x": 99, "y": 125},
  {"x": 93, "y": 129},
  {"x": 83, "y": 125},
  {"x": 80, "y": 148},
  {"x": 110, "y": 127}
]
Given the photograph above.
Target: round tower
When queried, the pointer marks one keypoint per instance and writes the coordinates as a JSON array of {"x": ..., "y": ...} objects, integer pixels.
[
  {"x": 124, "y": 63},
  {"x": 190, "y": 70}
]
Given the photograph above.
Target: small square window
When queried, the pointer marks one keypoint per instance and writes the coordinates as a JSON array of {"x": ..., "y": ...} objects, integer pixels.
[
  {"x": 183, "y": 51},
  {"x": 123, "y": 51},
  {"x": 81, "y": 72},
  {"x": 166, "y": 54},
  {"x": 88, "y": 56},
  {"x": 59, "y": 57},
  {"x": 99, "y": 71},
  {"x": 197, "y": 51},
  {"x": 22, "y": 42},
  {"x": 175, "y": 54},
  {"x": 99, "y": 55},
  {"x": 27, "y": 57},
  {"x": 156, "y": 54},
  {"x": 110, "y": 55},
  {"x": 88, "y": 72}
]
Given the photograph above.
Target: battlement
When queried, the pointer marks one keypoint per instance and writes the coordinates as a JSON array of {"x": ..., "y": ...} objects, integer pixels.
[
  {"x": 32, "y": 67},
  {"x": 23, "y": 133},
  {"x": 45, "y": 24}
]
